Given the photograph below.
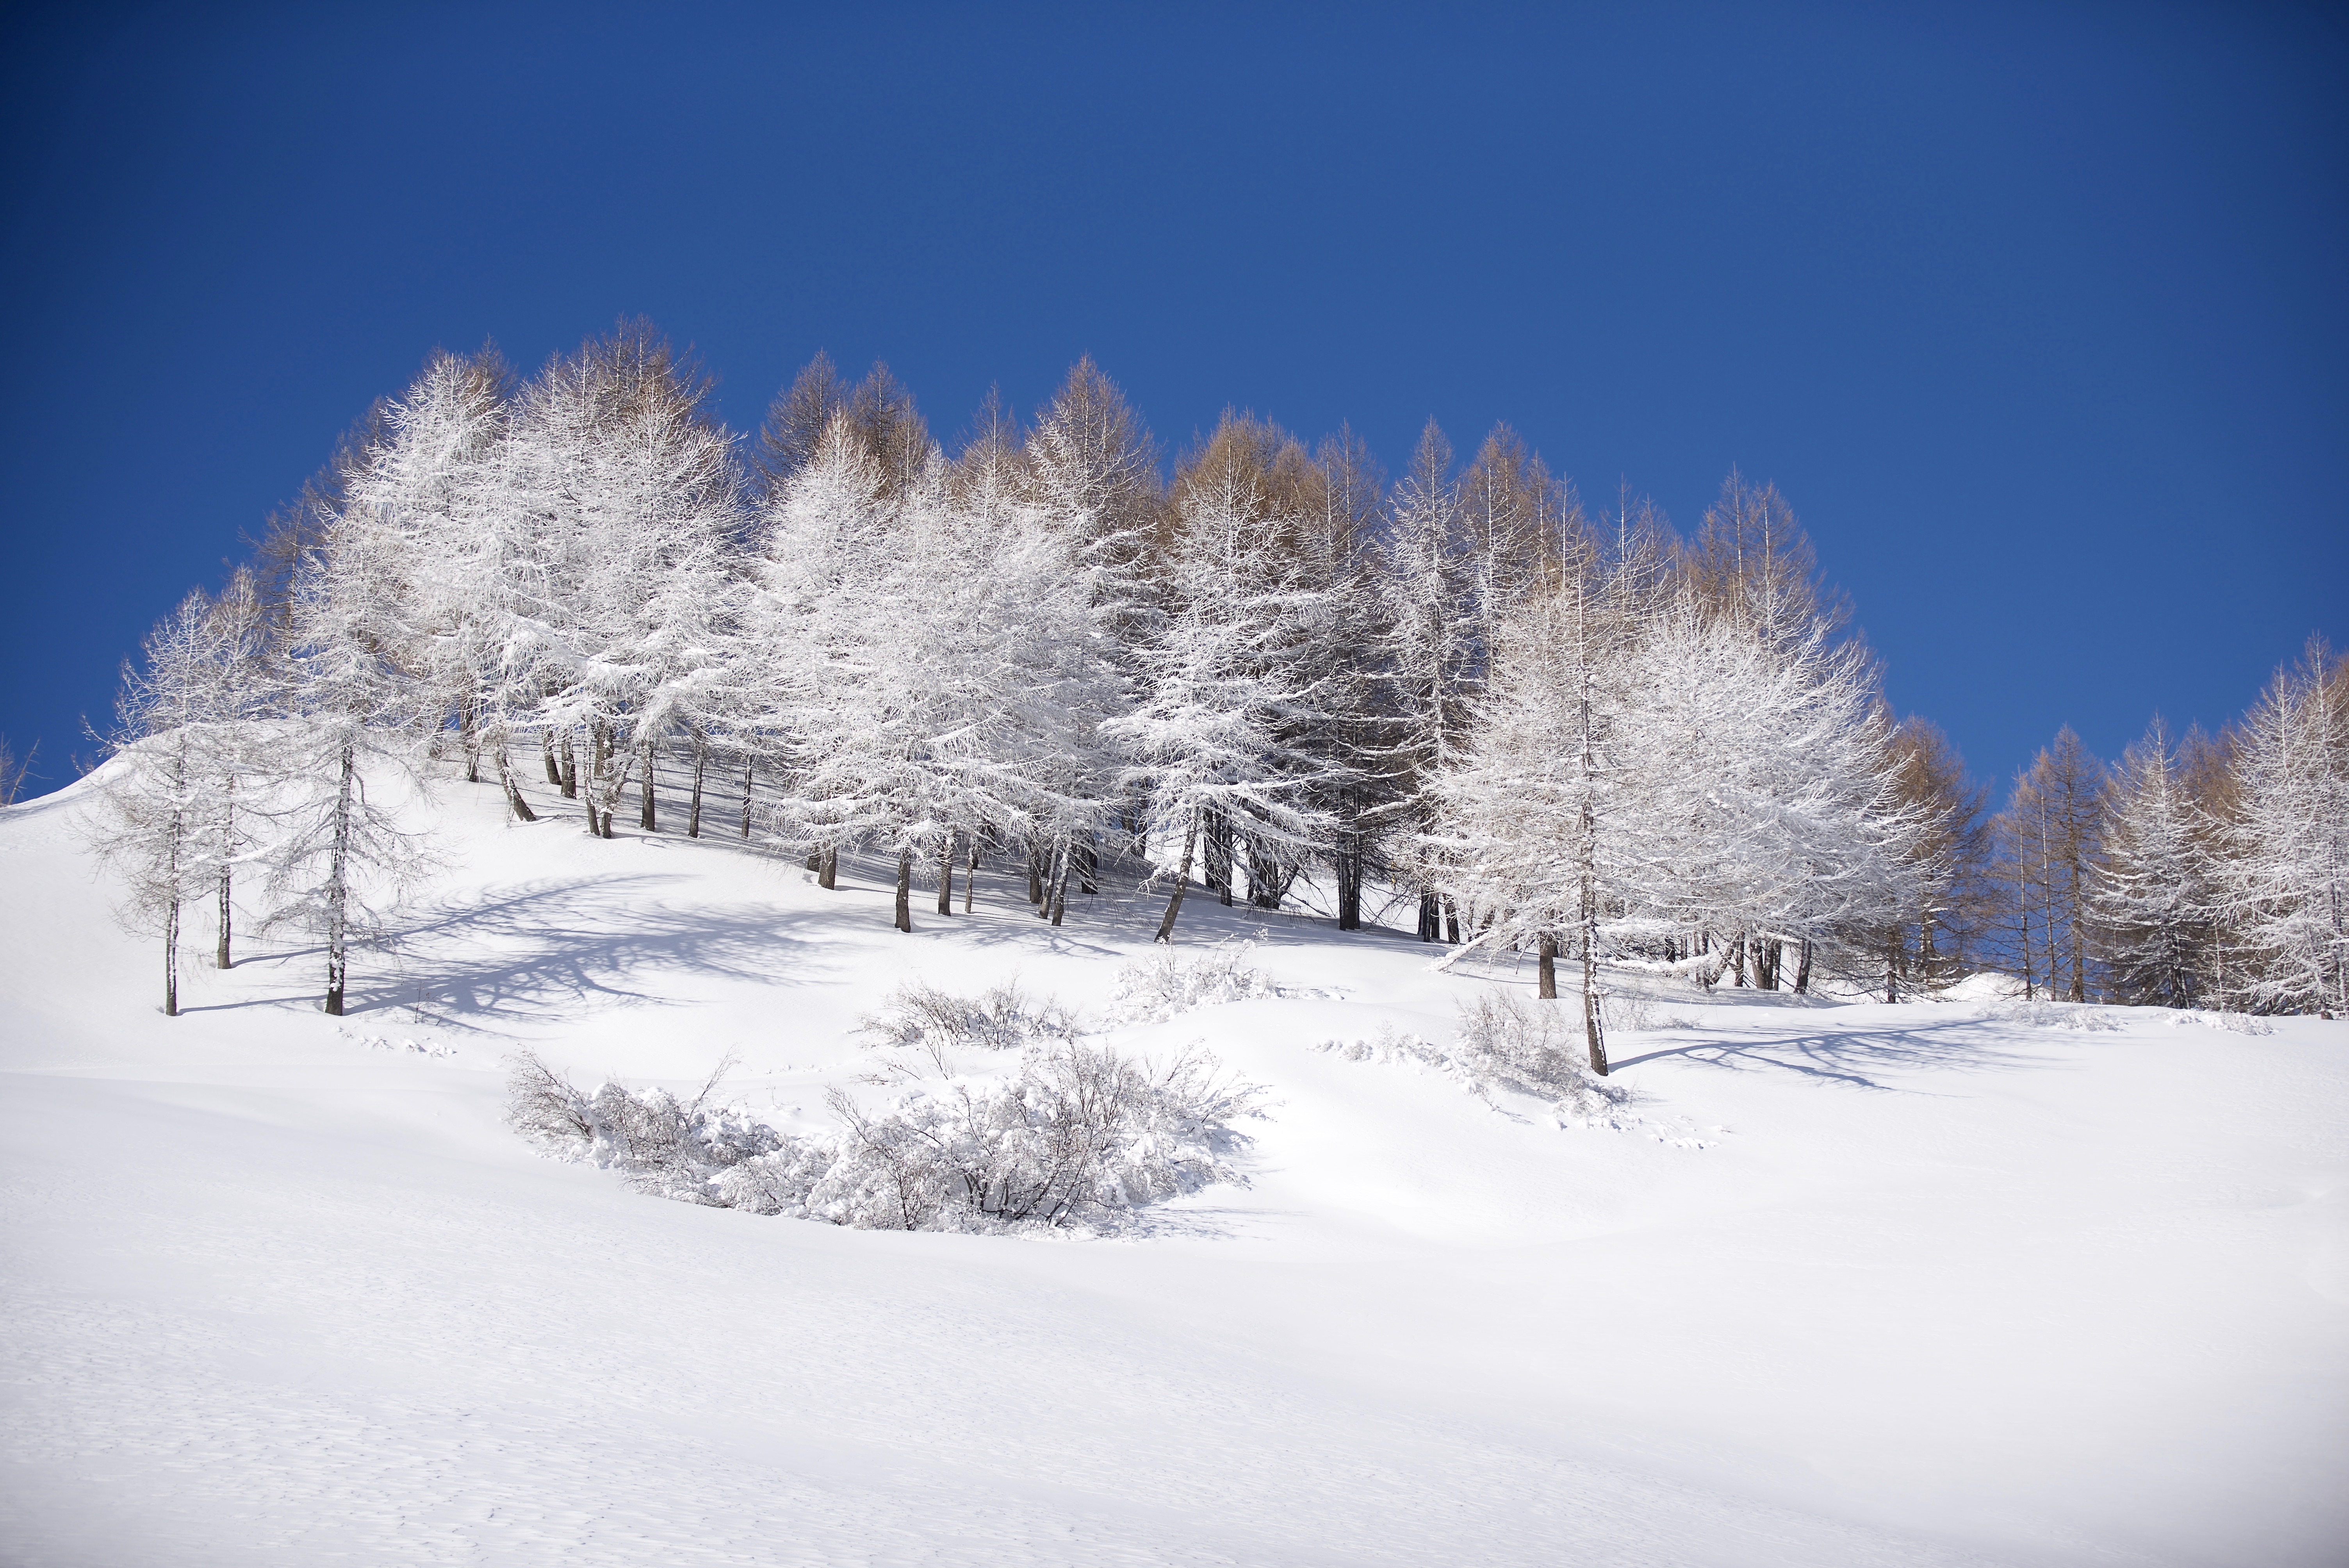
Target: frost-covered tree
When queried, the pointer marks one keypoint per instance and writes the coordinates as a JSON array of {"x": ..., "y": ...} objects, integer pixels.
[
  {"x": 2049, "y": 841},
  {"x": 2284, "y": 879},
  {"x": 154, "y": 818},
  {"x": 361, "y": 715},
  {"x": 2150, "y": 892},
  {"x": 635, "y": 502},
  {"x": 1431, "y": 657},
  {"x": 1224, "y": 681}
]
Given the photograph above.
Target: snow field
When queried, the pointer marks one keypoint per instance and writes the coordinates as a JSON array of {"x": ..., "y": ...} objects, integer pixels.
[{"x": 1851, "y": 1284}]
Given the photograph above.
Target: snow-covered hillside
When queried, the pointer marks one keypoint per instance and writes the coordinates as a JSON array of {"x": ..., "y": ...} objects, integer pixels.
[{"x": 1930, "y": 1284}]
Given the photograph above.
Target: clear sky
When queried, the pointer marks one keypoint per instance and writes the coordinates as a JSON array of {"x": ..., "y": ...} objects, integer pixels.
[{"x": 2038, "y": 315}]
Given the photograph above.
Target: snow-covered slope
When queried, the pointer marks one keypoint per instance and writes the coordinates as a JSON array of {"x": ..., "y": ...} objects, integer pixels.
[{"x": 1851, "y": 1284}]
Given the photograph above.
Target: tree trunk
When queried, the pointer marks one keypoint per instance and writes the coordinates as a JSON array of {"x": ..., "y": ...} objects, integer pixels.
[
  {"x": 1450, "y": 921},
  {"x": 946, "y": 874},
  {"x": 1036, "y": 871},
  {"x": 594, "y": 827},
  {"x": 514, "y": 802},
  {"x": 469, "y": 735},
  {"x": 905, "y": 890},
  {"x": 1546, "y": 975},
  {"x": 171, "y": 960},
  {"x": 828, "y": 878},
  {"x": 1086, "y": 855},
  {"x": 1219, "y": 857},
  {"x": 338, "y": 888},
  {"x": 570, "y": 778},
  {"x": 1430, "y": 918},
  {"x": 970, "y": 876},
  {"x": 1892, "y": 965},
  {"x": 1802, "y": 970},
  {"x": 1182, "y": 880},
  {"x": 693, "y": 810},
  {"x": 747, "y": 773},
  {"x": 1348, "y": 868},
  {"x": 649, "y": 820},
  {"x": 1059, "y": 889},
  {"x": 219, "y": 955}
]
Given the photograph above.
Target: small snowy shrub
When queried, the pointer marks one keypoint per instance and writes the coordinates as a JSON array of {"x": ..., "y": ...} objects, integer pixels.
[
  {"x": 2053, "y": 1015},
  {"x": 1502, "y": 1045},
  {"x": 1529, "y": 1048},
  {"x": 1080, "y": 1134},
  {"x": 925, "y": 1024},
  {"x": 663, "y": 1145},
  {"x": 1073, "y": 1134},
  {"x": 1156, "y": 988}
]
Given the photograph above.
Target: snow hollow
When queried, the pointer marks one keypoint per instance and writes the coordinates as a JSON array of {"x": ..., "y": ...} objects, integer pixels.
[{"x": 1951, "y": 1282}]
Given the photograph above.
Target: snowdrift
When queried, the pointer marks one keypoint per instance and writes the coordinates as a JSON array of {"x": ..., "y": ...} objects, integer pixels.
[{"x": 1942, "y": 1283}]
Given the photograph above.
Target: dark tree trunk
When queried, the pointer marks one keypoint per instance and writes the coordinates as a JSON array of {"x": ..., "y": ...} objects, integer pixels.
[
  {"x": 649, "y": 821},
  {"x": 1430, "y": 918},
  {"x": 970, "y": 876},
  {"x": 469, "y": 735},
  {"x": 514, "y": 802},
  {"x": 1086, "y": 855},
  {"x": 1182, "y": 880},
  {"x": 220, "y": 953},
  {"x": 1450, "y": 921},
  {"x": 1802, "y": 970},
  {"x": 1218, "y": 869},
  {"x": 946, "y": 874},
  {"x": 171, "y": 963},
  {"x": 905, "y": 890},
  {"x": 746, "y": 775},
  {"x": 1036, "y": 873},
  {"x": 1058, "y": 890},
  {"x": 693, "y": 812},
  {"x": 570, "y": 769},
  {"x": 1546, "y": 975},
  {"x": 828, "y": 877},
  {"x": 338, "y": 869},
  {"x": 1348, "y": 867},
  {"x": 546, "y": 756}
]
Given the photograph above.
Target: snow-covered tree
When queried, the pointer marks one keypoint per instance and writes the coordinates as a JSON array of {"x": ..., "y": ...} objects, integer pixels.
[
  {"x": 1223, "y": 680},
  {"x": 2284, "y": 881},
  {"x": 361, "y": 718},
  {"x": 1430, "y": 658},
  {"x": 2150, "y": 894}
]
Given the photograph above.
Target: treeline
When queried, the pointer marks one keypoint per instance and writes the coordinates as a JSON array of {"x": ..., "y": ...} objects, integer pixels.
[
  {"x": 1583, "y": 737},
  {"x": 2212, "y": 871}
]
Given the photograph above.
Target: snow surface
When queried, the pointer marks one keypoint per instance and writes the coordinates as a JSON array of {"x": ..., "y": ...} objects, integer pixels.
[{"x": 1849, "y": 1283}]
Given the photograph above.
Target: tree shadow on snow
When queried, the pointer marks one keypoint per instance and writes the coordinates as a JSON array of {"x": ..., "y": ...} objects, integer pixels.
[
  {"x": 548, "y": 950},
  {"x": 1961, "y": 1044}
]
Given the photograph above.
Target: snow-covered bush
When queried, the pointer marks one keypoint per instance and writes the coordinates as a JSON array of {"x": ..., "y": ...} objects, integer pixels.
[
  {"x": 2053, "y": 1015},
  {"x": 1073, "y": 1132},
  {"x": 925, "y": 1024},
  {"x": 1151, "y": 989},
  {"x": 1502, "y": 1045},
  {"x": 663, "y": 1145},
  {"x": 1078, "y": 1134}
]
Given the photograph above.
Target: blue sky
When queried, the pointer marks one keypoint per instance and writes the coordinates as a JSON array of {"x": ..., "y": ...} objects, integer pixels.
[{"x": 2036, "y": 314}]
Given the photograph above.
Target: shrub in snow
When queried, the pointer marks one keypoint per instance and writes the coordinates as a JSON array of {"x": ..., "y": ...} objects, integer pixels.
[
  {"x": 924, "y": 1022},
  {"x": 1069, "y": 1133},
  {"x": 664, "y": 1145},
  {"x": 2054, "y": 1016},
  {"x": 1156, "y": 988},
  {"x": 1504, "y": 1044},
  {"x": 1078, "y": 1134}
]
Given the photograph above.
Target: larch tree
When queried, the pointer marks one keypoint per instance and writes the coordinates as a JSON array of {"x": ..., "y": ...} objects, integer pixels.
[
  {"x": 2284, "y": 879},
  {"x": 2151, "y": 895}
]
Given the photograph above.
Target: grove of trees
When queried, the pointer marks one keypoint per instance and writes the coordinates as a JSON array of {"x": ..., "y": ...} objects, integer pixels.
[{"x": 1460, "y": 698}]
